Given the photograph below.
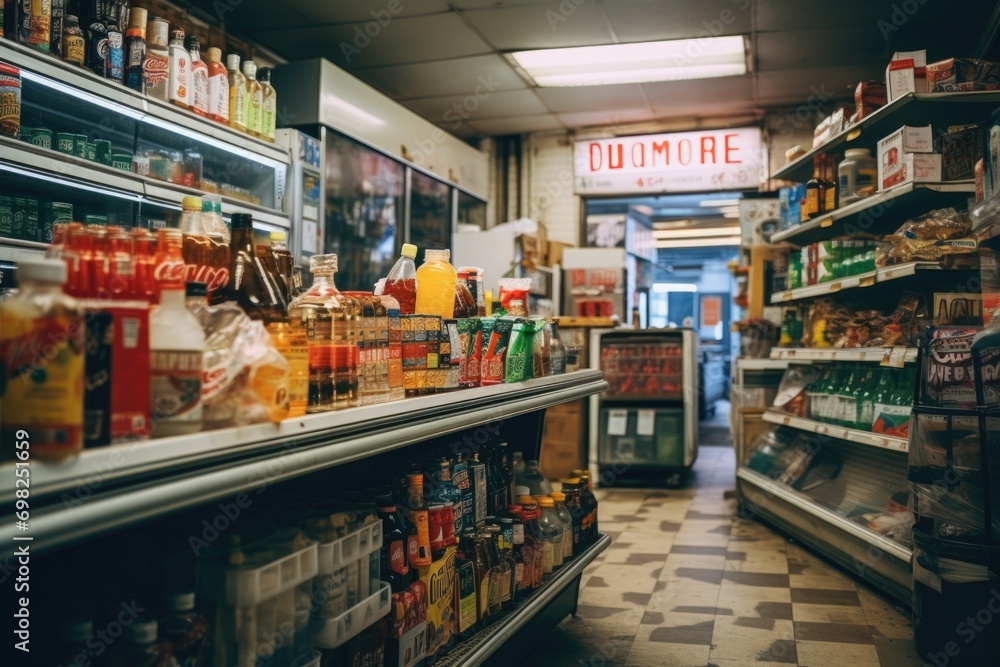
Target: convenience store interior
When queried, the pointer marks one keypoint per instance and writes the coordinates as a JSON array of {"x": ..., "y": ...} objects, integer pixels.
[{"x": 772, "y": 366}]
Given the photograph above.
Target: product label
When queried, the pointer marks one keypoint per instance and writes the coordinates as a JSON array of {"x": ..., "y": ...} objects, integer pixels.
[
  {"x": 518, "y": 533},
  {"x": 567, "y": 543},
  {"x": 269, "y": 116},
  {"x": 439, "y": 578},
  {"x": 506, "y": 574},
  {"x": 466, "y": 597},
  {"x": 526, "y": 577},
  {"x": 397, "y": 557},
  {"x": 199, "y": 87},
  {"x": 548, "y": 557},
  {"x": 74, "y": 48},
  {"x": 218, "y": 96},
  {"x": 238, "y": 105},
  {"x": 155, "y": 71},
  {"x": 255, "y": 102},
  {"x": 479, "y": 489},
  {"x": 892, "y": 420},
  {"x": 40, "y": 24},
  {"x": 180, "y": 73},
  {"x": 115, "y": 62},
  {"x": 43, "y": 361},
  {"x": 420, "y": 554},
  {"x": 519, "y": 576},
  {"x": 215, "y": 278},
  {"x": 176, "y": 385}
]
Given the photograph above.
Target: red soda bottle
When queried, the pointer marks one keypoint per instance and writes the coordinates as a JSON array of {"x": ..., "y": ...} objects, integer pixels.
[
  {"x": 143, "y": 251},
  {"x": 121, "y": 267},
  {"x": 168, "y": 266}
]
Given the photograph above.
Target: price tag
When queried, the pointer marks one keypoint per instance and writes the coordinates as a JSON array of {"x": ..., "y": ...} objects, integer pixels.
[
  {"x": 790, "y": 353},
  {"x": 835, "y": 287},
  {"x": 645, "y": 424},
  {"x": 787, "y": 296},
  {"x": 826, "y": 222},
  {"x": 867, "y": 281},
  {"x": 785, "y": 421},
  {"x": 617, "y": 422},
  {"x": 854, "y": 134},
  {"x": 894, "y": 357}
]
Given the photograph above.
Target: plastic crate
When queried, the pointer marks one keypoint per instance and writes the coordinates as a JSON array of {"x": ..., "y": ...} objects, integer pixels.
[
  {"x": 351, "y": 547},
  {"x": 244, "y": 586},
  {"x": 339, "y": 629}
]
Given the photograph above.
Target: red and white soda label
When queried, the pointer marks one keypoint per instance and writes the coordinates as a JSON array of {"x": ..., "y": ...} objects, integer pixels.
[
  {"x": 215, "y": 278},
  {"x": 397, "y": 557},
  {"x": 170, "y": 273},
  {"x": 176, "y": 385}
]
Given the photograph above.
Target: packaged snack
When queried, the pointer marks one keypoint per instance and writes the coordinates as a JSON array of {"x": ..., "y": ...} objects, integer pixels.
[
  {"x": 493, "y": 364},
  {"x": 439, "y": 581},
  {"x": 514, "y": 295},
  {"x": 470, "y": 335},
  {"x": 519, "y": 364},
  {"x": 949, "y": 376}
]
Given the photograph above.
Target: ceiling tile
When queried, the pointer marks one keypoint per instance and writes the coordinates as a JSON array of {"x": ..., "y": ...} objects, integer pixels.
[
  {"x": 475, "y": 75},
  {"x": 593, "y": 98},
  {"x": 364, "y": 10},
  {"x": 401, "y": 41},
  {"x": 795, "y": 15},
  {"x": 665, "y": 96},
  {"x": 648, "y": 20},
  {"x": 799, "y": 86},
  {"x": 796, "y": 49},
  {"x": 543, "y": 26},
  {"x": 521, "y": 125},
  {"x": 450, "y": 108},
  {"x": 608, "y": 119}
]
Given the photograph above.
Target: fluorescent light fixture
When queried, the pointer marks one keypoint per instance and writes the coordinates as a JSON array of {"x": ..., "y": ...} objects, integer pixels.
[
  {"x": 80, "y": 94},
  {"x": 67, "y": 181},
  {"x": 673, "y": 60},
  {"x": 718, "y": 203},
  {"x": 662, "y": 288},
  {"x": 699, "y": 243},
  {"x": 696, "y": 233}
]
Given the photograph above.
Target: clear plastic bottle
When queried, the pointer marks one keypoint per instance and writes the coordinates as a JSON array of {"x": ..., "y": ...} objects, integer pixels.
[
  {"x": 401, "y": 284},
  {"x": 255, "y": 99},
  {"x": 237, "y": 94},
  {"x": 567, "y": 524},
  {"x": 557, "y": 351},
  {"x": 43, "y": 329},
  {"x": 535, "y": 481},
  {"x": 436, "y": 279},
  {"x": 552, "y": 536},
  {"x": 199, "y": 77},
  {"x": 177, "y": 350}
]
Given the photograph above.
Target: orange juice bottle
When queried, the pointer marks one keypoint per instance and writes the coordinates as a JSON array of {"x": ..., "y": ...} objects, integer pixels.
[{"x": 436, "y": 280}]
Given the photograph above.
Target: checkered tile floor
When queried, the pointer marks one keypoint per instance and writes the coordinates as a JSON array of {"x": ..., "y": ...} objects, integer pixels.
[{"x": 686, "y": 584}]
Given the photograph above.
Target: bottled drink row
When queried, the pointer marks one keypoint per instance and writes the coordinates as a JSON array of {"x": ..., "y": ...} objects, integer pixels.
[
  {"x": 459, "y": 542},
  {"x": 130, "y": 335},
  {"x": 863, "y": 397},
  {"x": 131, "y": 47}
]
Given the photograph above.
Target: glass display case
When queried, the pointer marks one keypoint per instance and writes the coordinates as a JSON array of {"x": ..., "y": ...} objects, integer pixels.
[
  {"x": 113, "y": 156},
  {"x": 430, "y": 212},
  {"x": 364, "y": 204},
  {"x": 471, "y": 210}
]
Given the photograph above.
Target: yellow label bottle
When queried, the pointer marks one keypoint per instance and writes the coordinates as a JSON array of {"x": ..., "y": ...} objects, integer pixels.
[
  {"x": 255, "y": 99},
  {"x": 269, "y": 117},
  {"x": 237, "y": 94}
]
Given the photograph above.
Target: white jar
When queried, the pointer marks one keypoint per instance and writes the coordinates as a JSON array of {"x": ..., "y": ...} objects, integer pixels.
[{"x": 857, "y": 175}]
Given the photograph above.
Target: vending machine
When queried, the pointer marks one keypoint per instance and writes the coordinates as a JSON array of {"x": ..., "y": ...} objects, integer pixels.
[{"x": 645, "y": 425}]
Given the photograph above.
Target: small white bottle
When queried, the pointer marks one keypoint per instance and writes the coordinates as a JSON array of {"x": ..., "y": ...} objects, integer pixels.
[
  {"x": 179, "y": 82},
  {"x": 177, "y": 353}
]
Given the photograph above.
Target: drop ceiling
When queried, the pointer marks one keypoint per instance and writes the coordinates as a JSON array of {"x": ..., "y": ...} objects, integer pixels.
[{"x": 431, "y": 55}]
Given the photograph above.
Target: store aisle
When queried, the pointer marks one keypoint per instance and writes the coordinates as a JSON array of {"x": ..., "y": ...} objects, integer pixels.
[{"x": 687, "y": 584}]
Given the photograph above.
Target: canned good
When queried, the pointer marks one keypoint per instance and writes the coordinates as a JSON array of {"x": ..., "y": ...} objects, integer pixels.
[
  {"x": 53, "y": 213},
  {"x": 41, "y": 137},
  {"x": 10, "y": 100},
  {"x": 6, "y": 217},
  {"x": 436, "y": 520},
  {"x": 102, "y": 151},
  {"x": 66, "y": 143},
  {"x": 24, "y": 133},
  {"x": 121, "y": 160},
  {"x": 91, "y": 155},
  {"x": 96, "y": 220},
  {"x": 80, "y": 146}
]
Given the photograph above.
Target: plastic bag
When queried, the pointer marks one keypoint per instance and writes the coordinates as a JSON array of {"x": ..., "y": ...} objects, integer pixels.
[
  {"x": 246, "y": 378},
  {"x": 791, "y": 398},
  {"x": 514, "y": 295}
]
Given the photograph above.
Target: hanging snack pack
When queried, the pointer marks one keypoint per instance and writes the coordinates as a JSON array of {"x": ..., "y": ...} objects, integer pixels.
[
  {"x": 470, "y": 335},
  {"x": 495, "y": 355},
  {"x": 519, "y": 365},
  {"x": 951, "y": 376}
]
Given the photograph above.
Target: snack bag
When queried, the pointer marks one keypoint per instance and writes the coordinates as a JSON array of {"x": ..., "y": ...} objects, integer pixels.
[
  {"x": 439, "y": 580},
  {"x": 493, "y": 364},
  {"x": 519, "y": 365}
]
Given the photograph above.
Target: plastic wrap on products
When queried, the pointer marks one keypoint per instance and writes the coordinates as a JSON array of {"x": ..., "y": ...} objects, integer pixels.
[
  {"x": 792, "y": 398},
  {"x": 928, "y": 237},
  {"x": 948, "y": 376},
  {"x": 951, "y": 570},
  {"x": 514, "y": 295},
  {"x": 902, "y": 326},
  {"x": 246, "y": 378}
]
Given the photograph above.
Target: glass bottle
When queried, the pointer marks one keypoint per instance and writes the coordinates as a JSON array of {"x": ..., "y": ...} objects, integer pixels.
[
  {"x": 505, "y": 547},
  {"x": 42, "y": 328},
  {"x": 218, "y": 87},
  {"x": 811, "y": 206},
  {"x": 156, "y": 66},
  {"x": 134, "y": 48},
  {"x": 57, "y": 17},
  {"x": 184, "y": 629},
  {"x": 588, "y": 501},
  {"x": 491, "y": 546},
  {"x": 465, "y": 303},
  {"x": 436, "y": 279},
  {"x": 507, "y": 475},
  {"x": 480, "y": 491},
  {"x": 308, "y": 315},
  {"x": 552, "y": 536},
  {"x": 250, "y": 283},
  {"x": 416, "y": 511},
  {"x": 179, "y": 82},
  {"x": 139, "y": 647},
  {"x": 366, "y": 342},
  {"x": 283, "y": 261},
  {"x": 829, "y": 184},
  {"x": 562, "y": 512},
  {"x": 518, "y": 469},
  {"x": 96, "y": 34},
  {"x": 237, "y": 94},
  {"x": 177, "y": 345},
  {"x": 460, "y": 478},
  {"x": 536, "y": 482},
  {"x": 73, "y": 43},
  {"x": 40, "y": 24},
  {"x": 401, "y": 284},
  {"x": 494, "y": 482},
  {"x": 269, "y": 106},
  {"x": 522, "y": 576},
  {"x": 466, "y": 604},
  {"x": 381, "y": 360},
  {"x": 447, "y": 492},
  {"x": 199, "y": 77},
  {"x": 254, "y": 99},
  {"x": 114, "y": 58},
  {"x": 557, "y": 351},
  {"x": 532, "y": 539},
  {"x": 394, "y": 568},
  {"x": 571, "y": 488}
]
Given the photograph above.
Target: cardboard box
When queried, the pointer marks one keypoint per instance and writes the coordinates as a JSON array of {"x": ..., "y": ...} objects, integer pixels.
[
  {"x": 555, "y": 254},
  {"x": 962, "y": 74},
  {"x": 960, "y": 148},
  {"x": 534, "y": 247},
  {"x": 869, "y": 96},
  {"x": 905, "y": 156},
  {"x": 906, "y": 73},
  {"x": 910, "y": 139},
  {"x": 563, "y": 447},
  {"x": 117, "y": 366}
]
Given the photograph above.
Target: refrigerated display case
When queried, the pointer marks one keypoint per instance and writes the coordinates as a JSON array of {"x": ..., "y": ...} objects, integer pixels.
[
  {"x": 304, "y": 195},
  {"x": 646, "y": 423}
]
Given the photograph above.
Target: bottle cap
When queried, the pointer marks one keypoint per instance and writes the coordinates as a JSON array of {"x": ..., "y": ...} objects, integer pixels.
[
  {"x": 278, "y": 236},
  {"x": 177, "y": 35},
  {"x": 250, "y": 69},
  {"x": 137, "y": 18},
  {"x": 463, "y": 275},
  {"x": 156, "y": 31},
  {"x": 196, "y": 290},
  {"x": 416, "y": 478},
  {"x": 570, "y": 481},
  {"x": 522, "y": 491},
  {"x": 409, "y": 250},
  {"x": 191, "y": 203},
  {"x": 323, "y": 263},
  {"x": 42, "y": 270},
  {"x": 181, "y": 601},
  {"x": 264, "y": 74},
  {"x": 214, "y": 52},
  {"x": 526, "y": 500},
  {"x": 579, "y": 472},
  {"x": 233, "y": 61},
  {"x": 192, "y": 43},
  {"x": 546, "y": 502},
  {"x": 558, "y": 497},
  {"x": 432, "y": 255}
]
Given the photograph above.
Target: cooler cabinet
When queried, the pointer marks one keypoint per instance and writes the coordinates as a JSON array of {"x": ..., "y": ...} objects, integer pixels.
[{"x": 646, "y": 425}]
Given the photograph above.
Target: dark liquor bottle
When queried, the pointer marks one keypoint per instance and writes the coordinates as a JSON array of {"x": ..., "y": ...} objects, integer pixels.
[
  {"x": 480, "y": 492},
  {"x": 134, "y": 49},
  {"x": 250, "y": 283},
  {"x": 114, "y": 57},
  {"x": 505, "y": 548},
  {"x": 95, "y": 32},
  {"x": 467, "y": 611},
  {"x": 394, "y": 568}
]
